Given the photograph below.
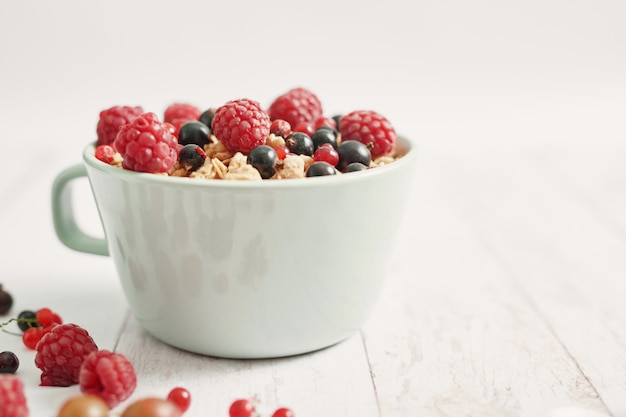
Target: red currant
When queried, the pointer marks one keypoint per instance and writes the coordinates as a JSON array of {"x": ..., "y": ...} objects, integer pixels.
[
  {"x": 45, "y": 316},
  {"x": 326, "y": 153},
  {"x": 32, "y": 336},
  {"x": 283, "y": 412},
  {"x": 324, "y": 121},
  {"x": 281, "y": 151},
  {"x": 280, "y": 127},
  {"x": 181, "y": 397},
  {"x": 241, "y": 408},
  {"x": 105, "y": 153},
  {"x": 304, "y": 128}
]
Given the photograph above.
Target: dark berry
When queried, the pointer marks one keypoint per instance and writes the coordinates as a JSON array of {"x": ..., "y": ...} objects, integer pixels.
[
  {"x": 300, "y": 143},
  {"x": 323, "y": 135},
  {"x": 263, "y": 158},
  {"x": 191, "y": 157},
  {"x": 352, "y": 151},
  {"x": 27, "y": 319},
  {"x": 207, "y": 117},
  {"x": 6, "y": 301},
  {"x": 355, "y": 166},
  {"x": 326, "y": 153},
  {"x": 8, "y": 363},
  {"x": 193, "y": 132},
  {"x": 337, "y": 118},
  {"x": 320, "y": 168}
]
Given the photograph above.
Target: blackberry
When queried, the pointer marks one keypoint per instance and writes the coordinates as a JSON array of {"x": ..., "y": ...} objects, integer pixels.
[
  {"x": 300, "y": 143},
  {"x": 320, "y": 168},
  {"x": 355, "y": 166},
  {"x": 6, "y": 301},
  {"x": 8, "y": 362},
  {"x": 207, "y": 117},
  {"x": 27, "y": 319},
  {"x": 324, "y": 134},
  {"x": 191, "y": 157},
  {"x": 352, "y": 151},
  {"x": 263, "y": 158},
  {"x": 193, "y": 132}
]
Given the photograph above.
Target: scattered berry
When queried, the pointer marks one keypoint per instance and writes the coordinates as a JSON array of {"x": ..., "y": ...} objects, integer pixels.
[
  {"x": 324, "y": 121},
  {"x": 31, "y": 337},
  {"x": 299, "y": 143},
  {"x": 324, "y": 135},
  {"x": 60, "y": 354},
  {"x": 355, "y": 166},
  {"x": 84, "y": 405},
  {"x": 107, "y": 375},
  {"x": 241, "y": 408},
  {"x": 241, "y": 125},
  {"x": 105, "y": 153},
  {"x": 283, "y": 412},
  {"x": 12, "y": 398},
  {"x": 280, "y": 127},
  {"x": 194, "y": 132},
  {"x": 263, "y": 158},
  {"x": 152, "y": 407},
  {"x": 111, "y": 121},
  {"x": 8, "y": 362},
  {"x": 6, "y": 301},
  {"x": 320, "y": 168},
  {"x": 191, "y": 157},
  {"x": 184, "y": 111},
  {"x": 47, "y": 317},
  {"x": 352, "y": 151},
  {"x": 369, "y": 127},
  {"x": 181, "y": 397},
  {"x": 27, "y": 319},
  {"x": 146, "y": 144},
  {"x": 298, "y": 105},
  {"x": 207, "y": 117},
  {"x": 326, "y": 153}
]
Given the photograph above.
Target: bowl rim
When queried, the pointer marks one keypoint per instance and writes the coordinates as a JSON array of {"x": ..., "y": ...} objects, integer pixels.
[{"x": 408, "y": 147}]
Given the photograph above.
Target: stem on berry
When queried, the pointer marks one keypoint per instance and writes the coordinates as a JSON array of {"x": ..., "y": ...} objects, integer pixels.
[{"x": 31, "y": 323}]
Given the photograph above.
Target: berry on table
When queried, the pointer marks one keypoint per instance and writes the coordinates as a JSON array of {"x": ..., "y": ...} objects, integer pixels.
[
  {"x": 183, "y": 111},
  {"x": 111, "y": 121},
  {"x": 320, "y": 168},
  {"x": 6, "y": 301},
  {"x": 9, "y": 363},
  {"x": 300, "y": 143},
  {"x": 27, "y": 319},
  {"x": 84, "y": 405},
  {"x": 263, "y": 158},
  {"x": 60, "y": 354},
  {"x": 32, "y": 336},
  {"x": 369, "y": 128},
  {"x": 191, "y": 157},
  {"x": 107, "y": 375},
  {"x": 12, "y": 398},
  {"x": 105, "y": 153},
  {"x": 241, "y": 125},
  {"x": 46, "y": 317},
  {"x": 146, "y": 144},
  {"x": 181, "y": 397},
  {"x": 152, "y": 407},
  {"x": 283, "y": 412},
  {"x": 194, "y": 132},
  {"x": 352, "y": 151},
  {"x": 298, "y": 105},
  {"x": 326, "y": 153},
  {"x": 241, "y": 408},
  {"x": 324, "y": 135}
]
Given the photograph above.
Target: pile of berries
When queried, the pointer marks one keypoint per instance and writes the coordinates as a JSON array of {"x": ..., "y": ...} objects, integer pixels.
[{"x": 338, "y": 144}]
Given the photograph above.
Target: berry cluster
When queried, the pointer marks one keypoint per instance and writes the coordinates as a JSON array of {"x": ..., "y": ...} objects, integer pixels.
[
  {"x": 246, "y": 407},
  {"x": 147, "y": 144}
]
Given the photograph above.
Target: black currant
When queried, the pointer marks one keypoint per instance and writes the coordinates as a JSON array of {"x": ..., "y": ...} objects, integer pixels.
[
  {"x": 263, "y": 158},
  {"x": 6, "y": 301},
  {"x": 8, "y": 362},
  {"x": 320, "y": 168},
  {"x": 191, "y": 157},
  {"x": 207, "y": 117},
  {"x": 323, "y": 135},
  {"x": 355, "y": 166},
  {"x": 193, "y": 132},
  {"x": 352, "y": 151},
  {"x": 27, "y": 319},
  {"x": 337, "y": 118},
  {"x": 300, "y": 143}
]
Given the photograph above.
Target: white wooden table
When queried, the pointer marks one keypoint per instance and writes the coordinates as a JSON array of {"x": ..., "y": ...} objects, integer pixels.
[{"x": 505, "y": 296}]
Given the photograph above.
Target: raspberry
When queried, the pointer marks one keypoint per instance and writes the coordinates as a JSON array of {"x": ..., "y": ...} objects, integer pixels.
[
  {"x": 146, "y": 144},
  {"x": 241, "y": 125},
  {"x": 369, "y": 127},
  {"x": 183, "y": 111},
  {"x": 112, "y": 120},
  {"x": 108, "y": 375},
  {"x": 296, "y": 106},
  {"x": 12, "y": 398},
  {"x": 105, "y": 153},
  {"x": 60, "y": 354}
]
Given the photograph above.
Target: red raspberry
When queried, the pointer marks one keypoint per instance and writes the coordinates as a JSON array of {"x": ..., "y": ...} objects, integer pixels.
[
  {"x": 12, "y": 398},
  {"x": 298, "y": 105},
  {"x": 369, "y": 127},
  {"x": 112, "y": 120},
  {"x": 107, "y": 375},
  {"x": 105, "y": 153},
  {"x": 184, "y": 111},
  {"x": 60, "y": 354},
  {"x": 241, "y": 125},
  {"x": 146, "y": 144}
]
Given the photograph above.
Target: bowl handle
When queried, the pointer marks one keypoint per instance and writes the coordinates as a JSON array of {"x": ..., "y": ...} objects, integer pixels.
[{"x": 65, "y": 225}]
